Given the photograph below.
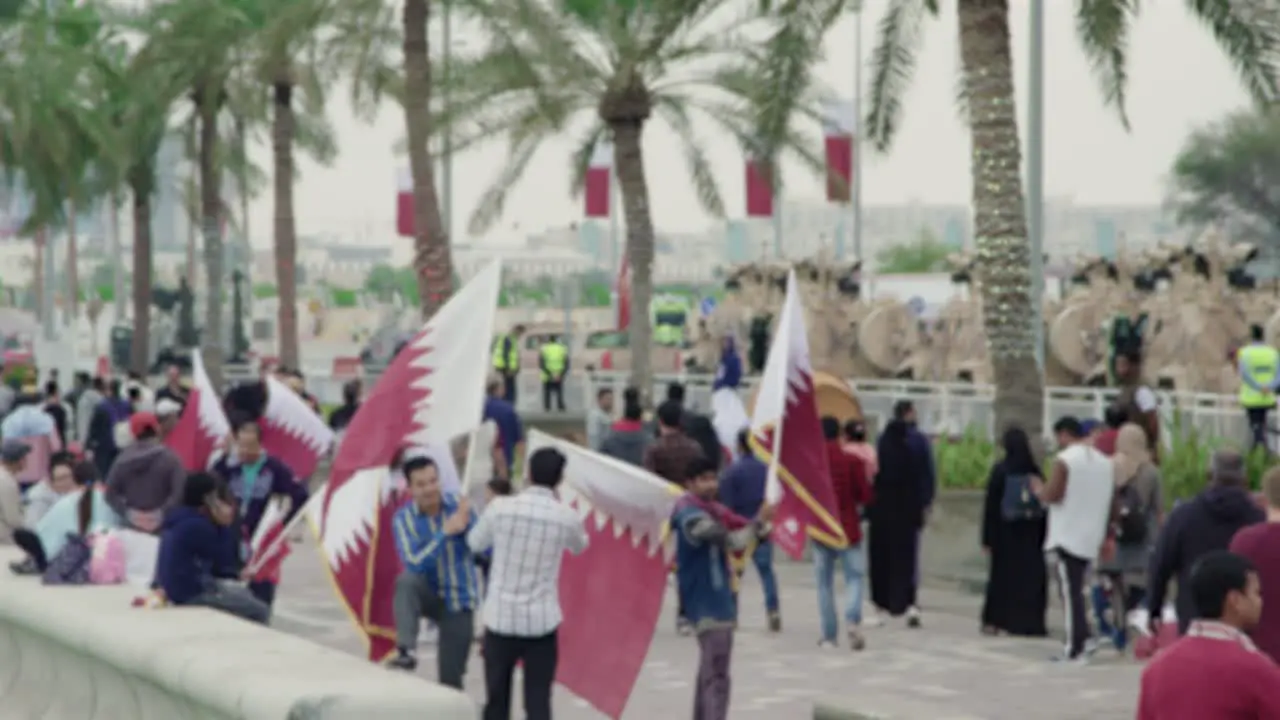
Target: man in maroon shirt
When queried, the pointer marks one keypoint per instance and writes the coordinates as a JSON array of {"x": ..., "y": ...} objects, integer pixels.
[
  {"x": 1215, "y": 671},
  {"x": 1261, "y": 545},
  {"x": 851, "y": 485}
]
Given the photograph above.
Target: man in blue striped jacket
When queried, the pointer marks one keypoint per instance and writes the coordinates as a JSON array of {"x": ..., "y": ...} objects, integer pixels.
[{"x": 439, "y": 581}]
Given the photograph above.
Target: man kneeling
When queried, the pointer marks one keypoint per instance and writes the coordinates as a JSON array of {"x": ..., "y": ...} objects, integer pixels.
[
  {"x": 199, "y": 553},
  {"x": 439, "y": 581}
]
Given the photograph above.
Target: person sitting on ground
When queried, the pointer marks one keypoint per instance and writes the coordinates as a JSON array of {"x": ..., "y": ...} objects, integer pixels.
[
  {"x": 1215, "y": 671},
  {"x": 42, "y": 496},
  {"x": 75, "y": 514},
  {"x": 199, "y": 553},
  {"x": 628, "y": 439},
  {"x": 146, "y": 479},
  {"x": 13, "y": 459}
]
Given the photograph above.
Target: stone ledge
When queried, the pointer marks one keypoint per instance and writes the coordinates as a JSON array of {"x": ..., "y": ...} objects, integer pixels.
[{"x": 83, "y": 652}]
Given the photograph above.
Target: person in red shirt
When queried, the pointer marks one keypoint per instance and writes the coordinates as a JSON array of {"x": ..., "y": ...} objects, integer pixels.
[
  {"x": 1215, "y": 672},
  {"x": 852, "y": 486},
  {"x": 1261, "y": 545}
]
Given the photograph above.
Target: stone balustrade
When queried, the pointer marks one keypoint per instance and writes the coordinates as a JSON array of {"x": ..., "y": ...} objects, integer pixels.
[{"x": 83, "y": 653}]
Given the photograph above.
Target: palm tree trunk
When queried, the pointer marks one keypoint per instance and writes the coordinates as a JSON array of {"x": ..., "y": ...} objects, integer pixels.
[
  {"x": 117, "y": 276},
  {"x": 193, "y": 208},
  {"x": 211, "y": 228},
  {"x": 635, "y": 208},
  {"x": 286, "y": 240},
  {"x": 140, "y": 352},
  {"x": 1000, "y": 221},
  {"x": 432, "y": 258},
  {"x": 41, "y": 242},
  {"x": 73, "y": 263}
]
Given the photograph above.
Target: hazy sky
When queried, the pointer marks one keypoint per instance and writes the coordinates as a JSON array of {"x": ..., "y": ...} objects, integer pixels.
[{"x": 1179, "y": 80}]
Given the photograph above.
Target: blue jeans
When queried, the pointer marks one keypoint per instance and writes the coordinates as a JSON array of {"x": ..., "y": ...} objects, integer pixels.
[
  {"x": 824, "y": 568},
  {"x": 762, "y": 558}
]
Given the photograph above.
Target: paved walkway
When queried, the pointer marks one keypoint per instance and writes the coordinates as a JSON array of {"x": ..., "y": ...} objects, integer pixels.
[{"x": 945, "y": 671}]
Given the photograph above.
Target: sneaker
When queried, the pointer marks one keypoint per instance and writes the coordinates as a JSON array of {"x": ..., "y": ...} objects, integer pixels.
[
  {"x": 684, "y": 627},
  {"x": 825, "y": 644},
  {"x": 913, "y": 617},
  {"x": 404, "y": 660},
  {"x": 775, "y": 622},
  {"x": 24, "y": 567},
  {"x": 1063, "y": 660},
  {"x": 856, "y": 641}
]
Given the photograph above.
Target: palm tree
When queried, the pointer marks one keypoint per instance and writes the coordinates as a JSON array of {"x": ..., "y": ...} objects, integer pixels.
[
  {"x": 614, "y": 66},
  {"x": 1246, "y": 35}
]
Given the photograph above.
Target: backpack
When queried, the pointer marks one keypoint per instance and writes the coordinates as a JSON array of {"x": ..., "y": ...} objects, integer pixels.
[
  {"x": 1019, "y": 503},
  {"x": 71, "y": 565},
  {"x": 107, "y": 562},
  {"x": 1130, "y": 516}
]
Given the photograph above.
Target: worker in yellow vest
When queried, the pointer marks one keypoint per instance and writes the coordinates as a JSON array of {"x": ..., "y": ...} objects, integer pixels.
[
  {"x": 553, "y": 359},
  {"x": 506, "y": 361},
  {"x": 1259, "y": 366}
]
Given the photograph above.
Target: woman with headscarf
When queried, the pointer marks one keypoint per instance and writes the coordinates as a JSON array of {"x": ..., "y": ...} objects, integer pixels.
[
  {"x": 1013, "y": 531},
  {"x": 1137, "y": 512}
]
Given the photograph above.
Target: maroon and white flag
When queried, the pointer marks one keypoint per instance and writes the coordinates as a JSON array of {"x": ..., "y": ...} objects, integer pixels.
[
  {"x": 597, "y": 186},
  {"x": 838, "y": 128},
  {"x": 759, "y": 188},
  {"x": 431, "y": 393},
  {"x": 202, "y": 428},
  {"x": 611, "y": 595},
  {"x": 269, "y": 547},
  {"x": 404, "y": 203},
  {"x": 291, "y": 431},
  {"x": 787, "y": 435}
]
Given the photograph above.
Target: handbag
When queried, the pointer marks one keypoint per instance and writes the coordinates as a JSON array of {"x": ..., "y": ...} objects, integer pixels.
[
  {"x": 71, "y": 565},
  {"x": 1019, "y": 503}
]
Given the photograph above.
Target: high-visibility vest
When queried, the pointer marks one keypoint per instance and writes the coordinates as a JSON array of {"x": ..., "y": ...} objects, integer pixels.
[
  {"x": 554, "y": 358},
  {"x": 508, "y": 362},
  {"x": 1263, "y": 362}
]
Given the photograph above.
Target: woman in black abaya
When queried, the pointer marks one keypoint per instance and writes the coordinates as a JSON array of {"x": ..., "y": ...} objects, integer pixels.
[
  {"x": 1014, "y": 543},
  {"x": 896, "y": 518}
]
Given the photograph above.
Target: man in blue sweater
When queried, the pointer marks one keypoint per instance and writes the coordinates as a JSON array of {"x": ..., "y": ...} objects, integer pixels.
[
  {"x": 706, "y": 533},
  {"x": 742, "y": 491},
  {"x": 199, "y": 553},
  {"x": 440, "y": 580}
]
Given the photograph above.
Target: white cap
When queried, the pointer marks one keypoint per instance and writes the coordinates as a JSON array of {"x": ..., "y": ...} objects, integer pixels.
[{"x": 168, "y": 406}]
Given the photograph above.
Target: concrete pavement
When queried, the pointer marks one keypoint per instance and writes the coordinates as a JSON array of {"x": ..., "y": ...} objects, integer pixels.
[{"x": 944, "y": 671}]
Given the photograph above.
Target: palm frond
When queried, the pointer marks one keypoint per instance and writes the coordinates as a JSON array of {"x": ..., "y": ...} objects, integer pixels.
[
  {"x": 494, "y": 199},
  {"x": 695, "y": 157},
  {"x": 1102, "y": 28},
  {"x": 893, "y": 63},
  {"x": 1248, "y": 31}
]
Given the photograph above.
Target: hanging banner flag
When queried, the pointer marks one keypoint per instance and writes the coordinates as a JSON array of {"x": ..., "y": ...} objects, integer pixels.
[
  {"x": 838, "y": 127},
  {"x": 759, "y": 189},
  {"x": 404, "y": 203},
  {"x": 596, "y": 187}
]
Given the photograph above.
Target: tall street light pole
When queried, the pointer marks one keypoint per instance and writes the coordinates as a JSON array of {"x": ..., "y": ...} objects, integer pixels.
[
  {"x": 446, "y": 149},
  {"x": 1035, "y": 172},
  {"x": 855, "y": 192}
]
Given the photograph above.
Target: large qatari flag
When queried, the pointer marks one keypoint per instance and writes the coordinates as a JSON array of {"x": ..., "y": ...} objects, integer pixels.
[{"x": 202, "y": 428}]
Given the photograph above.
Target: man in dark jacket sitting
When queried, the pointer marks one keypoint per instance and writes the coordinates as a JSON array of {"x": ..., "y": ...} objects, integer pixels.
[{"x": 199, "y": 553}]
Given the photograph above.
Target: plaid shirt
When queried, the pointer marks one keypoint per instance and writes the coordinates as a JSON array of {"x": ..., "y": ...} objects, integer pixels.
[
  {"x": 444, "y": 560},
  {"x": 529, "y": 534},
  {"x": 669, "y": 456}
]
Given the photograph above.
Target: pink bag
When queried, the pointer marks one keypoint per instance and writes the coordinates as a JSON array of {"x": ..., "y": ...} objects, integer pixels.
[{"x": 107, "y": 565}]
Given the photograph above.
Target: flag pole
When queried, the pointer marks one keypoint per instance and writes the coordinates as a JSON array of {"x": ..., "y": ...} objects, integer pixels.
[{"x": 855, "y": 192}]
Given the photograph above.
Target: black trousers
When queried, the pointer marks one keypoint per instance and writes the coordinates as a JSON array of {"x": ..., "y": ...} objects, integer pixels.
[
  {"x": 264, "y": 591},
  {"x": 509, "y": 387},
  {"x": 1071, "y": 571},
  {"x": 30, "y": 544},
  {"x": 553, "y": 389},
  {"x": 1257, "y": 417},
  {"x": 501, "y": 654}
]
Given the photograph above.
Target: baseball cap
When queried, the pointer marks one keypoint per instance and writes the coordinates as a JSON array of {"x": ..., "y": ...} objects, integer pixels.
[
  {"x": 13, "y": 450},
  {"x": 139, "y": 422},
  {"x": 167, "y": 406}
]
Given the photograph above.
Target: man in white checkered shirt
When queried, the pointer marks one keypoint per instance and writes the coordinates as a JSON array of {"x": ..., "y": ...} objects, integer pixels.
[{"x": 529, "y": 534}]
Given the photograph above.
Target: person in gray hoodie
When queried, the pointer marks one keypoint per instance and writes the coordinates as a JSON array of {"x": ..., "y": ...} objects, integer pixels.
[
  {"x": 147, "y": 478},
  {"x": 628, "y": 438}
]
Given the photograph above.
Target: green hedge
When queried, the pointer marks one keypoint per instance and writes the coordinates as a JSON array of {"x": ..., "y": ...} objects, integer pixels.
[{"x": 964, "y": 462}]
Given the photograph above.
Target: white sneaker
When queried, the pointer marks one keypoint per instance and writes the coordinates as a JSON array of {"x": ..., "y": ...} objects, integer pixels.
[
  {"x": 827, "y": 645},
  {"x": 913, "y": 617}
]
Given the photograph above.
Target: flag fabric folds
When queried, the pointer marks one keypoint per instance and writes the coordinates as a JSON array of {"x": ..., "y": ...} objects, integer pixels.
[
  {"x": 404, "y": 203},
  {"x": 431, "y": 393},
  {"x": 838, "y": 128},
  {"x": 759, "y": 188},
  {"x": 612, "y": 593},
  {"x": 268, "y": 548},
  {"x": 291, "y": 431},
  {"x": 787, "y": 434},
  {"x": 202, "y": 428}
]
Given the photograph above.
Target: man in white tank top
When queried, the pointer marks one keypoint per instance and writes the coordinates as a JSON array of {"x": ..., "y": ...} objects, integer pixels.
[{"x": 1078, "y": 498}]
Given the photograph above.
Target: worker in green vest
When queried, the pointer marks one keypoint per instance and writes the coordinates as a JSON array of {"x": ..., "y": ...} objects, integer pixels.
[
  {"x": 1259, "y": 366},
  {"x": 553, "y": 359},
  {"x": 506, "y": 361}
]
